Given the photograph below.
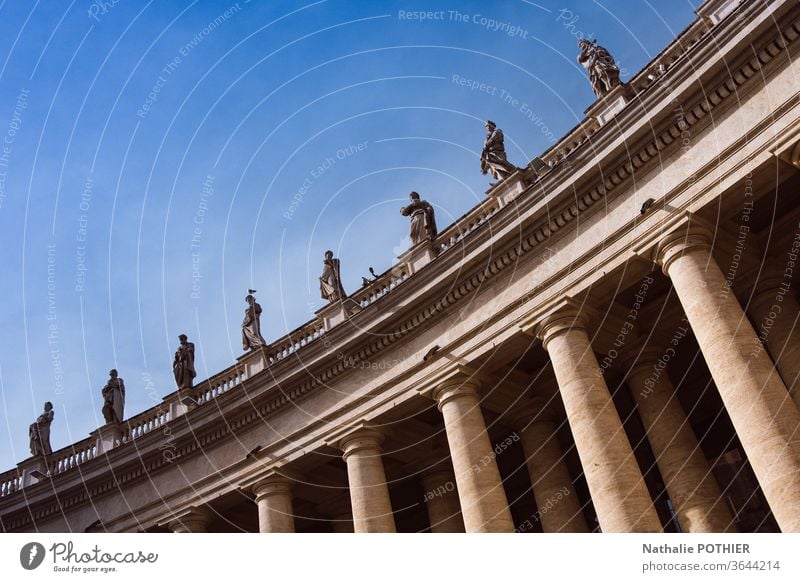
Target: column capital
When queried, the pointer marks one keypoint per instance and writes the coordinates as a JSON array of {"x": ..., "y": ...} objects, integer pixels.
[
  {"x": 640, "y": 358},
  {"x": 434, "y": 475},
  {"x": 193, "y": 519},
  {"x": 362, "y": 438},
  {"x": 767, "y": 286},
  {"x": 274, "y": 484},
  {"x": 434, "y": 459},
  {"x": 674, "y": 244},
  {"x": 567, "y": 312},
  {"x": 463, "y": 387},
  {"x": 569, "y": 317},
  {"x": 532, "y": 412},
  {"x": 458, "y": 374}
]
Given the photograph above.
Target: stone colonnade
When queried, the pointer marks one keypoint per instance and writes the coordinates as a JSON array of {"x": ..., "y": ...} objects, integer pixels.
[{"x": 752, "y": 388}]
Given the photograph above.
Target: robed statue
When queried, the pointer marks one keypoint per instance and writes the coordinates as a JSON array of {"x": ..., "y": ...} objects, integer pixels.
[
  {"x": 183, "y": 364},
  {"x": 39, "y": 432},
  {"x": 114, "y": 398},
  {"x": 251, "y": 325},
  {"x": 423, "y": 221},
  {"x": 330, "y": 281},
  {"x": 493, "y": 157},
  {"x": 603, "y": 71}
]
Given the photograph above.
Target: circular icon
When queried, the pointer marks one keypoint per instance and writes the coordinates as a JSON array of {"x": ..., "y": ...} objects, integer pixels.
[{"x": 31, "y": 555}]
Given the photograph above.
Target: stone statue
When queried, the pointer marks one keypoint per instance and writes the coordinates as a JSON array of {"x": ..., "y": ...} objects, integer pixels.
[
  {"x": 603, "y": 71},
  {"x": 183, "y": 365},
  {"x": 493, "y": 157},
  {"x": 39, "y": 432},
  {"x": 114, "y": 399},
  {"x": 330, "y": 282},
  {"x": 423, "y": 222},
  {"x": 251, "y": 325}
]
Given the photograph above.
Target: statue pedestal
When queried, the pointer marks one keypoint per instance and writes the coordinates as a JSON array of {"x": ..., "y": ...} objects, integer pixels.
[
  {"x": 180, "y": 402},
  {"x": 32, "y": 470},
  {"x": 507, "y": 191},
  {"x": 107, "y": 437},
  {"x": 609, "y": 105},
  {"x": 337, "y": 312},
  {"x": 253, "y": 361},
  {"x": 418, "y": 256}
]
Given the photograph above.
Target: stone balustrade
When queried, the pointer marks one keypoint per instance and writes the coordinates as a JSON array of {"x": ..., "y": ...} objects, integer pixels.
[
  {"x": 72, "y": 456},
  {"x": 10, "y": 481},
  {"x": 294, "y": 340},
  {"x": 383, "y": 284},
  {"x": 220, "y": 384},
  {"x": 467, "y": 224},
  {"x": 145, "y": 422}
]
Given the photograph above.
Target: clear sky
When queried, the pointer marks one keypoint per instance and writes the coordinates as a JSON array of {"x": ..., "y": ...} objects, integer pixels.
[{"x": 160, "y": 158}]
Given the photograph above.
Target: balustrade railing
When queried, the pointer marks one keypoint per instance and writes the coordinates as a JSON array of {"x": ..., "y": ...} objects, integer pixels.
[
  {"x": 220, "y": 383},
  {"x": 294, "y": 340},
  {"x": 145, "y": 422},
  {"x": 467, "y": 224},
  {"x": 73, "y": 455},
  {"x": 10, "y": 481},
  {"x": 383, "y": 284}
]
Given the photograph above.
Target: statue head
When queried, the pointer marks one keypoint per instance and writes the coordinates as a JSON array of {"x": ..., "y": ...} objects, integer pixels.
[
  {"x": 48, "y": 406},
  {"x": 328, "y": 255},
  {"x": 250, "y": 298},
  {"x": 414, "y": 196},
  {"x": 183, "y": 338},
  {"x": 113, "y": 373},
  {"x": 490, "y": 125}
]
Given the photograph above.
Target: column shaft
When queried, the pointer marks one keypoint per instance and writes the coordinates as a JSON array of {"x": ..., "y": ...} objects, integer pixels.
[
  {"x": 484, "y": 506},
  {"x": 274, "y": 499},
  {"x": 619, "y": 494},
  {"x": 369, "y": 494},
  {"x": 765, "y": 418},
  {"x": 776, "y": 315},
  {"x": 441, "y": 501},
  {"x": 687, "y": 476},
  {"x": 557, "y": 503}
]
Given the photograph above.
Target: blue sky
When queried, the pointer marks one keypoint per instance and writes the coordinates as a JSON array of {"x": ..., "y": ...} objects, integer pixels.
[{"x": 147, "y": 143}]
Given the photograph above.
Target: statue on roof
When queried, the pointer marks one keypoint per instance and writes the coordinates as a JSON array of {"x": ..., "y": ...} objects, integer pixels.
[
  {"x": 114, "y": 398},
  {"x": 330, "y": 281},
  {"x": 251, "y": 325},
  {"x": 493, "y": 157},
  {"x": 39, "y": 432},
  {"x": 603, "y": 71},
  {"x": 183, "y": 364},
  {"x": 423, "y": 221}
]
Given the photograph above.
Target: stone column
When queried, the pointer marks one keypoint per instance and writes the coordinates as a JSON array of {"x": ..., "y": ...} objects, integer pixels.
[
  {"x": 558, "y": 507},
  {"x": 484, "y": 506},
  {"x": 619, "y": 494},
  {"x": 340, "y": 513},
  {"x": 692, "y": 488},
  {"x": 274, "y": 500},
  {"x": 369, "y": 494},
  {"x": 765, "y": 418},
  {"x": 194, "y": 520},
  {"x": 776, "y": 316},
  {"x": 441, "y": 501}
]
